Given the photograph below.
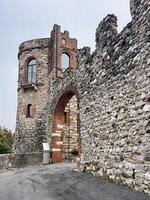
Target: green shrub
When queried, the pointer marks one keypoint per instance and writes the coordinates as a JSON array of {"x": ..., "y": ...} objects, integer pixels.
[
  {"x": 6, "y": 140},
  {"x": 4, "y": 148}
]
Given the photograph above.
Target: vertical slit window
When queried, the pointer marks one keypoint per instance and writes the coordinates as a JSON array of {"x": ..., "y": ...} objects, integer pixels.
[{"x": 29, "y": 110}]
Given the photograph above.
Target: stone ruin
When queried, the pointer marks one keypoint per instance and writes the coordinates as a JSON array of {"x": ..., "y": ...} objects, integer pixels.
[{"x": 107, "y": 92}]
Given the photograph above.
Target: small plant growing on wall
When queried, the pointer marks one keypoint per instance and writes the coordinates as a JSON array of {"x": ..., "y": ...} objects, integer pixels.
[{"x": 75, "y": 152}]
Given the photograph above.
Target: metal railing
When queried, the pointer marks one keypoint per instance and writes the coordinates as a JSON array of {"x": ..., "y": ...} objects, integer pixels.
[{"x": 29, "y": 79}]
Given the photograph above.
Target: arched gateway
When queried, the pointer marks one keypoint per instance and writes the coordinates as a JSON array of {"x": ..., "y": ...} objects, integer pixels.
[{"x": 65, "y": 138}]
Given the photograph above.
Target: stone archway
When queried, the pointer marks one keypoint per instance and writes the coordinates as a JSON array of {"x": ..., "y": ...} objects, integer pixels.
[{"x": 66, "y": 125}]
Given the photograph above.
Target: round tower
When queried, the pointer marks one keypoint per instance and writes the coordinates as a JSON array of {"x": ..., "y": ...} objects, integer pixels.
[{"x": 32, "y": 95}]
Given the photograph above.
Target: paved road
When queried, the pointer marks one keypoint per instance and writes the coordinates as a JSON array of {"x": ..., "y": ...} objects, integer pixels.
[{"x": 60, "y": 182}]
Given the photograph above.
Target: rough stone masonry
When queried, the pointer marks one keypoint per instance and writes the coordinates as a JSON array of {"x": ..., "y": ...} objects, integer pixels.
[{"x": 112, "y": 86}]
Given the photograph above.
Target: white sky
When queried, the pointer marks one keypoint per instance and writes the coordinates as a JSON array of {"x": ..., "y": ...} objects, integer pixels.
[{"x": 22, "y": 20}]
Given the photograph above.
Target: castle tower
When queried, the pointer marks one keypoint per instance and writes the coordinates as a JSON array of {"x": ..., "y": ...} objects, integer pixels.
[{"x": 37, "y": 59}]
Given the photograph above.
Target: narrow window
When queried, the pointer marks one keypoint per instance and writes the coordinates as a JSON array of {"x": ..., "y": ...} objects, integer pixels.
[
  {"x": 31, "y": 71},
  {"x": 29, "y": 110},
  {"x": 63, "y": 41},
  {"x": 65, "y": 61}
]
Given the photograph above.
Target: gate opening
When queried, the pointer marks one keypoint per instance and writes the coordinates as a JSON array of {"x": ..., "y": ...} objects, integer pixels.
[{"x": 65, "y": 138}]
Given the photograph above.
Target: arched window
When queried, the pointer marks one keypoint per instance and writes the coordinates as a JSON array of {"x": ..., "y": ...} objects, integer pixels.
[
  {"x": 29, "y": 110},
  {"x": 65, "y": 61},
  {"x": 63, "y": 41},
  {"x": 31, "y": 71}
]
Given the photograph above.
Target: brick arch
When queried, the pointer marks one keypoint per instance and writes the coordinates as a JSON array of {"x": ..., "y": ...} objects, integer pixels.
[
  {"x": 61, "y": 101},
  {"x": 66, "y": 51},
  {"x": 58, "y": 119}
]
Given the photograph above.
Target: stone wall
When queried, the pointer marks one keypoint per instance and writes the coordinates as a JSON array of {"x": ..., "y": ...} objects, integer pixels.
[
  {"x": 113, "y": 93},
  {"x": 9, "y": 161}
]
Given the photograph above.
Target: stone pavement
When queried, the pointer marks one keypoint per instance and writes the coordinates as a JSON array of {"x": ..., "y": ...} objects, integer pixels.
[{"x": 60, "y": 182}]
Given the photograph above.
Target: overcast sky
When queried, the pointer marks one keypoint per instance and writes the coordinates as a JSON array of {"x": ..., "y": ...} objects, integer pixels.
[{"x": 22, "y": 20}]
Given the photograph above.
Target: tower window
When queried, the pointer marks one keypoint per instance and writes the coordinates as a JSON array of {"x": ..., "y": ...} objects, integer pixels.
[
  {"x": 31, "y": 71},
  {"x": 63, "y": 41},
  {"x": 29, "y": 110},
  {"x": 65, "y": 61}
]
